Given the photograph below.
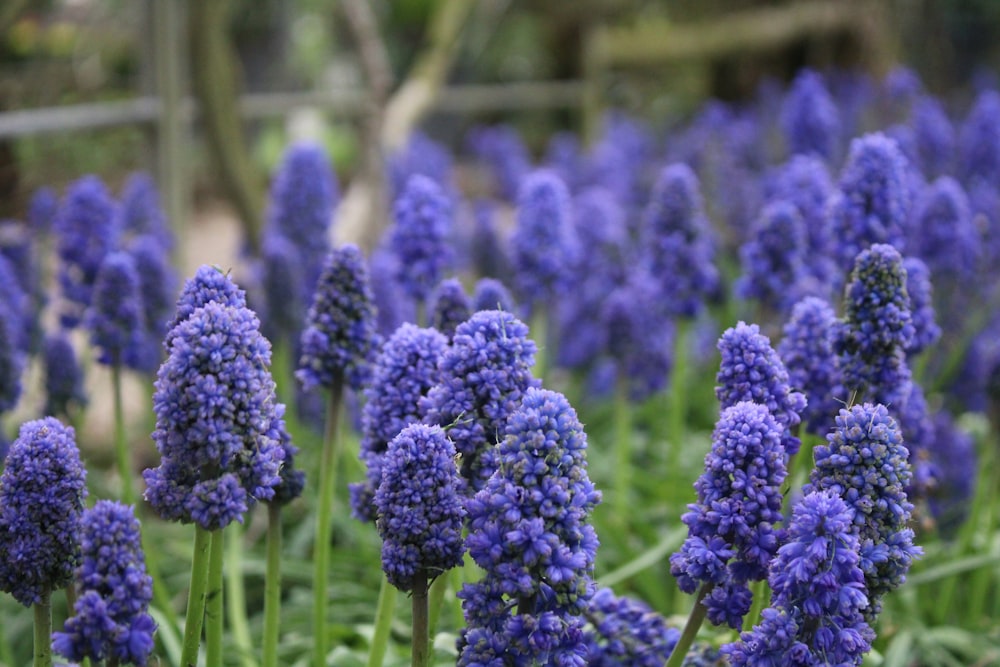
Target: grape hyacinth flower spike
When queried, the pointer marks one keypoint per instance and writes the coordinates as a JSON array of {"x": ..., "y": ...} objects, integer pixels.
[
  {"x": 449, "y": 306},
  {"x": 110, "y": 619},
  {"x": 492, "y": 294},
  {"x": 42, "y": 489},
  {"x": 529, "y": 530}
]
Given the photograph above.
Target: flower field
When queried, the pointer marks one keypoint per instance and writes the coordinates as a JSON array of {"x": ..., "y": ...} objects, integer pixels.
[{"x": 720, "y": 393}]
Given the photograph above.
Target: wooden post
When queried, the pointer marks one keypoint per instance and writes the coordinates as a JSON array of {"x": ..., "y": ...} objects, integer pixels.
[{"x": 172, "y": 132}]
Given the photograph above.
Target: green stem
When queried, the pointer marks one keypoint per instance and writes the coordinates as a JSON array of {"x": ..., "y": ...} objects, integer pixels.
[
  {"x": 328, "y": 483},
  {"x": 213, "y": 600},
  {"x": 761, "y": 598},
  {"x": 70, "y": 591},
  {"x": 43, "y": 631},
  {"x": 691, "y": 628},
  {"x": 196, "y": 598},
  {"x": 435, "y": 598},
  {"x": 236, "y": 604},
  {"x": 121, "y": 446},
  {"x": 383, "y": 623},
  {"x": 623, "y": 448},
  {"x": 272, "y": 586},
  {"x": 677, "y": 410},
  {"x": 421, "y": 313},
  {"x": 420, "y": 654},
  {"x": 539, "y": 331}
]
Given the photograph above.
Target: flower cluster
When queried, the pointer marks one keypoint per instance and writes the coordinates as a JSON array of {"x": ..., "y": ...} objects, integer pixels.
[
  {"x": 158, "y": 287},
  {"x": 209, "y": 284},
  {"x": 877, "y": 328},
  {"x": 818, "y": 594},
  {"x": 491, "y": 294},
  {"x": 732, "y": 529},
  {"x": 11, "y": 359},
  {"x": 404, "y": 371},
  {"x": 627, "y": 632},
  {"x": 215, "y": 408},
  {"x": 483, "y": 377},
  {"x": 115, "y": 318},
  {"x": 449, "y": 306},
  {"x": 528, "y": 530},
  {"x": 419, "y": 239},
  {"x": 774, "y": 260},
  {"x": 63, "y": 375},
  {"x": 140, "y": 211},
  {"x": 419, "y": 506},
  {"x": 751, "y": 371},
  {"x": 41, "y": 499},
  {"x": 339, "y": 340},
  {"x": 110, "y": 620},
  {"x": 866, "y": 463},
  {"x": 809, "y": 118},
  {"x": 918, "y": 285}
]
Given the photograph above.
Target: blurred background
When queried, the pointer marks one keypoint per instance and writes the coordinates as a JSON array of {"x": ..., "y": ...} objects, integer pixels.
[{"x": 207, "y": 94}]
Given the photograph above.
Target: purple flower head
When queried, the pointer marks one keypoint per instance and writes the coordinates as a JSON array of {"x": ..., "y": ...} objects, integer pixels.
[
  {"x": 421, "y": 156},
  {"x": 20, "y": 282},
  {"x": 627, "y": 632},
  {"x": 865, "y": 463},
  {"x": 529, "y": 531},
  {"x": 42, "y": 209},
  {"x": 392, "y": 306},
  {"x": 818, "y": 594},
  {"x": 12, "y": 360},
  {"x": 63, "y": 376},
  {"x": 304, "y": 193},
  {"x": 953, "y": 456},
  {"x": 979, "y": 141},
  {"x": 564, "y": 157},
  {"x": 488, "y": 249},
  {"x": 141, "y": 214},
  {"x": 110, "y": 617},
  {"x": 776, "y": 259},
  {"x": 449, "y": 306},
  {"x": 751, "y": 371},
  {"x": 115, "y": 317},
  {"x": 86, "y": 230},
  {"x": 283, "y": 280},
  {"x": 934, "y": 136},
  {"x": 419, "y": 238},
  {"x": 918, "y": 286},
  {"x": 638, "y": 335},
  {"x": 877, "y": 328},
  {"x": 491, "y": 294},
  {"x": 544, "y": 242},
  {"x": 19, "y": 307},
  {"x": 809, "y": 118},
  {"x": 210, "y": 283},
  {"x": 677, "y": 238},
  {"x": 419, "y": 506},
  {"x": 806, "y": 349},
  {"x": 902, "y": 84},
  {"x": 945, "y": 235},
  {"x": 292, "y": 479},
  {"x": 339, "y": 340},
  {"x": 874, "y": 198},
  {"x": 482, "y": 377},
  {"x": 215, "y": 411},
  {"x": 158, "y": 287},
  {"x": 41, "y": 498},
  {"x": 403, "y": 373},
  {"x": 732, "y": 529},
  {"x": 918, "y": 433},
  {"x": 501, "y": 149}
]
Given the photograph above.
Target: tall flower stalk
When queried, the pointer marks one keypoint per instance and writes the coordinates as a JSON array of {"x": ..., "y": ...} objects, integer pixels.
[{"x": 337, "y": 349}]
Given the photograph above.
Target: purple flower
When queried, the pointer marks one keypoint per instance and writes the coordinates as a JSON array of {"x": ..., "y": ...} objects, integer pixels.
[
  {"x": 141, "y": 214},
  {"x": 979, "y": 141},
  {"x": 732, "y": 529},
  {"x": 421, "y": 156},
  {"x": 806, "y": 349},
  {"x": 339, "y": 340},
  {"x": 12, "y": 359},
  {"x": 42, "y": 209},
  {"x": 304, "y": 193},
  {"x": 818, "y": 594},
  {"x": 284, "y": 288},
  {"x": 491, "y": 294},
  {"x": 210, "y": 283},
  {"x": 677, "y": 238},
  {"x": 504, "y": 154},
  {"x": 158, "y": 287},
  {"x": 20, "y": 283},
  {"x": 627, "y": 632},
  {"x": 63, "y": 376},
  {"x": 449, "y": 306},
  {"x": 392, "y": 307},
  {"x": 866, "y": 464},
  {"x": 918, "y": 286},
  {"x": 873, "y": 200},
  {"x": 529, "y": 531},
  {"x": 110, "y": 617},
  {"x": 86, "y": 230},
  {"x": 751, "y": 371},
  {"x": 403, "y": 373},
  {"x": 292, "y": 480},
  {"x": 215, "y": 411},
  {"x": 945, "y": 235},
  {"x": 115, "y": 317},
  {"x": 41, "y": 498},
  {"x": 419, "y": 506},
  {"x": 953, "y": 456},
  {"x": 877, "y": 329},
  {"x": 933, "y": 135},
  {"x": 419, "y": 239},
  {"x": 488, "y": 251},
  {"x": 544, "y": 242},
  {"x": 809, "y": 118},
  {"x": 482, "y": 378}
]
